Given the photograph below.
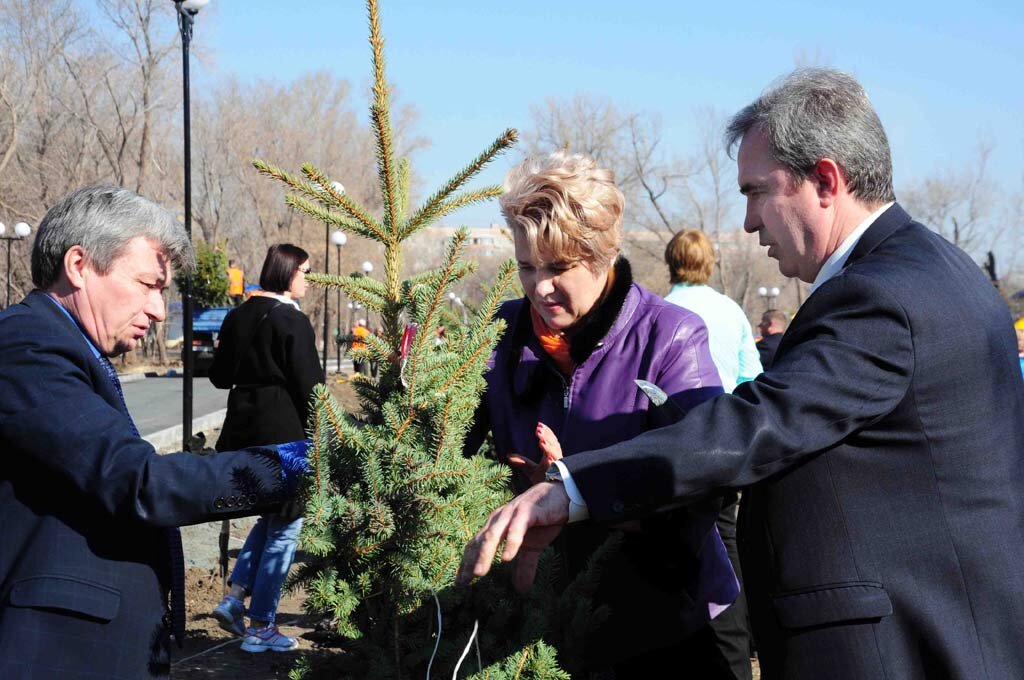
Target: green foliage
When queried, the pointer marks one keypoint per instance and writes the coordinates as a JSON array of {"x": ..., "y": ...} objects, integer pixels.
[
  {"x": 210, "y": 280},
  {"x": 391, "y": 500}
]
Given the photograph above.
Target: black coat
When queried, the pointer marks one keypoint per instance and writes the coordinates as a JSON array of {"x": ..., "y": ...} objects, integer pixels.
[
  {"x": 882, "y": 534},
  {"x": 84, "y": 503},
  {"x": 271, "y": 374},
  {"x": 766, "y": 347}
]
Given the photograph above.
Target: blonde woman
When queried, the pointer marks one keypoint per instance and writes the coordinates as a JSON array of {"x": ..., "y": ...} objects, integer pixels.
[{"x": 565, "y": 370}]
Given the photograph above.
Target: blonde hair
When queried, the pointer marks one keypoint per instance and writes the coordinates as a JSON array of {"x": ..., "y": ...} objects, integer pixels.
[
  {"x": 690, "y": 257},
  {"x": 567, "y": 206}
]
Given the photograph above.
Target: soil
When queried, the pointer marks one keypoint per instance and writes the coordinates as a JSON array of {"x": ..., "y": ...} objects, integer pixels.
[{"x": 210, "y": 653}]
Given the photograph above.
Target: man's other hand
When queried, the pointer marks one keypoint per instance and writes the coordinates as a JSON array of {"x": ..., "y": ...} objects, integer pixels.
[{"x": 527, "y": 524}]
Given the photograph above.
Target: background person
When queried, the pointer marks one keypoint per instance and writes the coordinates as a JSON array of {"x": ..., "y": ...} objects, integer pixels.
[
  {"x": 772, "y": 327},
  {"x": 690, "y": 257},
  {"x": 573, "y": 347},
  {"x": 89, "y": 545},
  {"x": 884, "y": 517},
  {"x": 1020, "y": 348},
  {"x": 359, "y": 334},
  {"x": 236, "y": 283},
  {"x": 267, "y": 357}
]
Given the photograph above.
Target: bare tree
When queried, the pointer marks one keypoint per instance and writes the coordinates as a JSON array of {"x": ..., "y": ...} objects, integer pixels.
[
  {"x": 146, "y": 46},
  {"x": 959, "y": 204}
]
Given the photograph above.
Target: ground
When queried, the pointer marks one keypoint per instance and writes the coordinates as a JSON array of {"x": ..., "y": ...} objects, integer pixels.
[{"x": 210, "y": 653}]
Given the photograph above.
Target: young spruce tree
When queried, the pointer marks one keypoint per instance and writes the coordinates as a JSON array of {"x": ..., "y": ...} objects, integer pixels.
[{"x": 391, "y": 499}]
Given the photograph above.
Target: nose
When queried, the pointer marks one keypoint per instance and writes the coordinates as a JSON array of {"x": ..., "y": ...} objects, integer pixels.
[
  {"x": 751, "y": 221},
  {"x": 155, "y": 308},
  {"x": 543, "y": 285}
]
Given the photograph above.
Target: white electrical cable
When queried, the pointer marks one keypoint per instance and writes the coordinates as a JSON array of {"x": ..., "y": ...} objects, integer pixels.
[
  {"x": 438, "y": 642},
  {"x": 465, "y": 652}
]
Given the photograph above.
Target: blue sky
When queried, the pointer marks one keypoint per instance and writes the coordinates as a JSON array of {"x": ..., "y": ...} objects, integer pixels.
[{"x": 941, "y": 74}]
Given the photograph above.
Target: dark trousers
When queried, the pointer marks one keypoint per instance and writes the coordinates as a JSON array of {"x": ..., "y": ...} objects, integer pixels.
[
  {"x": 718, "y": 651},
  {"x": 731, "y": 629}
]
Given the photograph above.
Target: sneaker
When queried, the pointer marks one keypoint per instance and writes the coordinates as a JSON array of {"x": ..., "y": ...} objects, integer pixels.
[
  {"x": 230, "y": 615},
  {"x": 268, "y": 638}
]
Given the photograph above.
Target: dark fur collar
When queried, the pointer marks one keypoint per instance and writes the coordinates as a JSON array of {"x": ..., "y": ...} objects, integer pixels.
[{"x": 601, "y": 320}]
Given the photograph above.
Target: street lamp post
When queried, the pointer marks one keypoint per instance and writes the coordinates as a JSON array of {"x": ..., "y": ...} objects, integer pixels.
[
  {"x": 339, "y": 188},
  {"x": 21, "y": 230},
  {"x": 339, "y": 238},
  {"x": 367, "y": 268},
  {"x": 187, "y": 10},
  {"x": 768, "y": 294}
]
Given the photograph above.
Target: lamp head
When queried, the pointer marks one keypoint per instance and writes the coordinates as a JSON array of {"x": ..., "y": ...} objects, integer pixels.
[
  {"x": 339, "y": 238},
  {"x": 3, "y": 227},
  {"x": 367, "y": 267},
  {"x": 193, "y": 6},
  {"x": 21, "y": 230},
  {"x": 762, "y": 291}
]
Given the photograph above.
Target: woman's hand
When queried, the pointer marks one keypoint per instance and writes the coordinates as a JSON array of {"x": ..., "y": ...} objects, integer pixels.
[{"x": 550, "y": 451}]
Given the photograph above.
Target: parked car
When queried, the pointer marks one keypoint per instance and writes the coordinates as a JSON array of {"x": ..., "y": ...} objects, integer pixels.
[{"x": 206, "y": 325}]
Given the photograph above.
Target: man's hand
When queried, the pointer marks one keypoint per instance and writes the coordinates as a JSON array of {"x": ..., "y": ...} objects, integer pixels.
[
  {"x": 527, "y": 524},
  {"x": 550, "y": 449}
]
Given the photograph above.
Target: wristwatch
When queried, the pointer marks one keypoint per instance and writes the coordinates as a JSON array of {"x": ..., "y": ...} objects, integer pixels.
[{"x": 553, "y": 474}]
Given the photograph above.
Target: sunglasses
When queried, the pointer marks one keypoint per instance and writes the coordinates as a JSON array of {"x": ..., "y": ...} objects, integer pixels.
[{"x": 304, "y": 270}]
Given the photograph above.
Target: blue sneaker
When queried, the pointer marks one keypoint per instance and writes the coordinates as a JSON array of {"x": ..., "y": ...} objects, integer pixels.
[
  {"x": 230, "y": 615},
  {"x": 268, "y": 639}
]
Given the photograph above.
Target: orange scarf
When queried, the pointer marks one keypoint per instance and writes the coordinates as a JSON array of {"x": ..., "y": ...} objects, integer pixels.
[{"x": 553, "y": 342}]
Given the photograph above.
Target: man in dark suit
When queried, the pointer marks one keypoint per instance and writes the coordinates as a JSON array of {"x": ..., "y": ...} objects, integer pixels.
[
  {"x": 89, "y": 545},
  {"x": 772, "y": 326},
  {"x": 882, "y": 530}
]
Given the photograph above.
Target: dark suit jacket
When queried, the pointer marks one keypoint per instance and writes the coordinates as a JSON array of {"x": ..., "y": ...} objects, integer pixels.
[
  {"x": 271, "y": 364},
  {"x": 883, "y": 528},
  {"x": 766, "y": 347},
  {"x": 84, "y": 567}
]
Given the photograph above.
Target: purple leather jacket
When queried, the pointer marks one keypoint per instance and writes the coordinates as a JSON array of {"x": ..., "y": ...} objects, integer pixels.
[{"x": 675, "y": 568}]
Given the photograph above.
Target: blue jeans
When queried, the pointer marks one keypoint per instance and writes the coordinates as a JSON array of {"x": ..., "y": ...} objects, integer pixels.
[{"x": 263, "y": 563}]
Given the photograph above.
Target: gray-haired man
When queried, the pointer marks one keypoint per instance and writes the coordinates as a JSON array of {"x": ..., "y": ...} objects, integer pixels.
[{"x": 88, "y": 511}]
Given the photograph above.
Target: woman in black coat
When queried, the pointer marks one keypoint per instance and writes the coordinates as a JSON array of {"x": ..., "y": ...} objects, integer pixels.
[{"x": 267, "y": 357}]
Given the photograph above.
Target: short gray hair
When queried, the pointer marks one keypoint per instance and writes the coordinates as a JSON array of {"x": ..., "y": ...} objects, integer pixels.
[
  {"x": 103, "y": 220},
  {"x": 817, "y": 113}
]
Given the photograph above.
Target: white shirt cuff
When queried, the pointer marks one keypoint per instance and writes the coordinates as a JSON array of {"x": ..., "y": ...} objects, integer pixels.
[{"x": 578, "y": 510}]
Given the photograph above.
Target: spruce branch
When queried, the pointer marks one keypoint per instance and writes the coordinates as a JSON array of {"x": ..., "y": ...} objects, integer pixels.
[
  {"x": 291, "y": 180},
  {"x": 380, "y": 118},
  {"x": 489, "y": 307},
  {"x": 427, "y": 323},
  {"x": 350, "y": 207},
  {"x": 483, "y": 346},
  {"x": 458, "y": 202},
  {"x": 404, "y": 179},
  {"x": 429, "y": 211},
  {"x": 325, "y": 215},
  {"x": 367, "y": 291}
]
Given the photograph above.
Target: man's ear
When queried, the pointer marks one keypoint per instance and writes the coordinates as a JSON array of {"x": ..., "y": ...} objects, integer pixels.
[
  {"x": 75, "y": 264},
  {"x": 828, "y": 180}
]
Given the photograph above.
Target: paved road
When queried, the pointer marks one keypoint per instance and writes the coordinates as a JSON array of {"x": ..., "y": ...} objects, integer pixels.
[{"x": 155, "y": 403}]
